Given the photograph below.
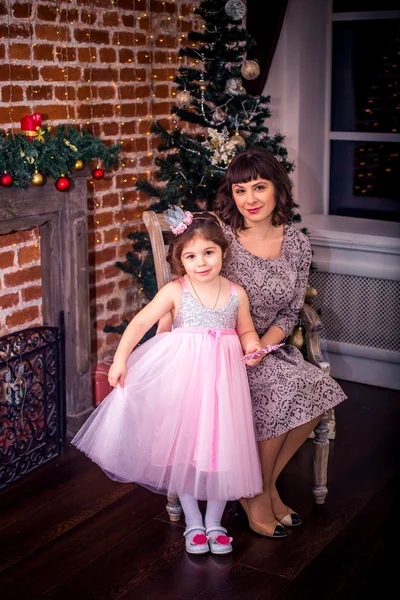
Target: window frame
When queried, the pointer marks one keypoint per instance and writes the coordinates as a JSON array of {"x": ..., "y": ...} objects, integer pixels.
[{"x": 357, "y": 136}]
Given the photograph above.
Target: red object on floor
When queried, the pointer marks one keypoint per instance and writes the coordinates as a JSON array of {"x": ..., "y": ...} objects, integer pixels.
[{"x": 100, "y": 386}]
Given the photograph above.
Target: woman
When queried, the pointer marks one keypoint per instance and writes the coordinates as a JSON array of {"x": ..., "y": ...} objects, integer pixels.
[{"x": 271, "y": 259}]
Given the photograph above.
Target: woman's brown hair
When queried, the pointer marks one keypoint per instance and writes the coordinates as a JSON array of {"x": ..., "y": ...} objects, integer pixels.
[
  {"x": 250, "y": 164},
  {"x": 205, "y": 225}
]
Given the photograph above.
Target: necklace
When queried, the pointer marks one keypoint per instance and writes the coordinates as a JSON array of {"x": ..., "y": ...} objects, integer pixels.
[{"x": 219, "y": 291}]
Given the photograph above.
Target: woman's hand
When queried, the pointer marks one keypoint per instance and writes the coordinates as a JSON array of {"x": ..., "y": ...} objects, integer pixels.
[
  {"x": 164, "y": 324},
  {"x": 253, "y": 361},
  {"x": 117, "y": 374}
]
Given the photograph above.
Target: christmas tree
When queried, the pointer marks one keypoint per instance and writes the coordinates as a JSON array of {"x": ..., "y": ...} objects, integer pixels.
[
  {"x": 214, "y": 119},
  {"x": 210, "y": 95}
]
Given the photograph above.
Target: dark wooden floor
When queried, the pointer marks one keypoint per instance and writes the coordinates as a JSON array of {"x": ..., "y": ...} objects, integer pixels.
[{"x": 67, "y": 531}]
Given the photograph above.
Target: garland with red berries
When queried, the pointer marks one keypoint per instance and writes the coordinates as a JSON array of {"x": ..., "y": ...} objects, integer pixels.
[{"x": 29, "y": 157}]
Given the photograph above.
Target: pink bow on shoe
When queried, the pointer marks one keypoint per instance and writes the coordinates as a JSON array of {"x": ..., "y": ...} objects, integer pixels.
[
  {"x": 198, "y": 544},
  {"x": 199, "y": 538},
  {"x": 223, "y": 539},
  {"x": 221, "y": 543}
]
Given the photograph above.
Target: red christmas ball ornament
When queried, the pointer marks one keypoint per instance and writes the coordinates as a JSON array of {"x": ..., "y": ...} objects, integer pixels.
[
  {"x": 63, "y": 184},
  {"x": 6, "y": 180},
  {"x": 98, "y": 173}
]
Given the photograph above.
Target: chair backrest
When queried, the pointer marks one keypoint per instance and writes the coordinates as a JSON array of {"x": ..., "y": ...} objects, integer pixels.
[{"x": 156, "y": 225}]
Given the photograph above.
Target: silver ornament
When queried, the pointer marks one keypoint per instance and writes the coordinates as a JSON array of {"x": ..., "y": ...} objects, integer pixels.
[
  {"x": 250, "y": 69},
  {"x": 235, "y": 9}
]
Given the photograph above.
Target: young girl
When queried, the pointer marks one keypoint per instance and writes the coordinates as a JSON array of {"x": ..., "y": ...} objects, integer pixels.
[{"x": 180, "y": 419}]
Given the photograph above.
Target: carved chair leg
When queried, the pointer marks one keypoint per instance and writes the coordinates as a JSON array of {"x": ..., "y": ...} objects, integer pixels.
[
  {"x": 332, "y": 424},
  {"x": 321, "y": 454},
  {"x": 174, "y": 508}
]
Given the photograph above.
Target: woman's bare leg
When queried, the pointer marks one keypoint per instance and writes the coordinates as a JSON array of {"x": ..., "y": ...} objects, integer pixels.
[
  {"x": 260, "y": 506},
  {"x": 274, "y": 456},
  {"x": 293, "y": 440}
]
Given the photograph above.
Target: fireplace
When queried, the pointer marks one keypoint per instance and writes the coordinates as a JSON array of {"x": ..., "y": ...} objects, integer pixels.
[{"x": 62, "y": 222}]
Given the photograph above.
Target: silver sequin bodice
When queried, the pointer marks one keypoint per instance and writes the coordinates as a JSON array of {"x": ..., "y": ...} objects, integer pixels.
[{"x": 192, "y": 314}]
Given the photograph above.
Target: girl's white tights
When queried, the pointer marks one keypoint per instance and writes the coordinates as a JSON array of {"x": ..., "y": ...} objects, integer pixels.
[
  {"x": 193, "y": 518},
  {"x": 214, "y": 512}
]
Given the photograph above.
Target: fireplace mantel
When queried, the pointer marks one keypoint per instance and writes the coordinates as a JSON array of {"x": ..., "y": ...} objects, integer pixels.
[{"x": 62, "y": 221}]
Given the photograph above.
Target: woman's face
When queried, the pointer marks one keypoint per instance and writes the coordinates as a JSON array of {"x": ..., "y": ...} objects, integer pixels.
[{"x": 255, "y": 200}]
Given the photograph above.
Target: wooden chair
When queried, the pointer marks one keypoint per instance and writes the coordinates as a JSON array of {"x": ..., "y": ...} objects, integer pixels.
[{"x": 156, "y": 226}]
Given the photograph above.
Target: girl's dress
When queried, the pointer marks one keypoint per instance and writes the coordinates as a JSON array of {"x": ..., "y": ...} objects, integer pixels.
[
  {"x": 286, "y": 391},
  {"x": 183, "y": 422}
]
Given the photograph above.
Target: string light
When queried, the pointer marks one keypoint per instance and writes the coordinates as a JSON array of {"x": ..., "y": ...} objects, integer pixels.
[
  {"x": 90, "y": 80},
  {"x": 10, "y": 100},
  {"x": 151, "y": 65},
  {"x": 120, "y": 192},
  {"x": 66, "y": 72},
  {"x": 33, "y": 92},
  {"x": 90, "y": 98}
]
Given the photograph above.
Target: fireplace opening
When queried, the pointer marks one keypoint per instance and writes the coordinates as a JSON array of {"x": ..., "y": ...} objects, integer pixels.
[{"x": 20, "y": 280}]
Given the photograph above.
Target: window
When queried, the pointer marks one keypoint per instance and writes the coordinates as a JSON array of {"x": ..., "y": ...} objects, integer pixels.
[{"x": 365, "y": 110}]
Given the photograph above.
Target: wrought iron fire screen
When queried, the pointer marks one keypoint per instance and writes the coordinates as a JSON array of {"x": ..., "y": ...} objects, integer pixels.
[{"x": 32, "y": 404}]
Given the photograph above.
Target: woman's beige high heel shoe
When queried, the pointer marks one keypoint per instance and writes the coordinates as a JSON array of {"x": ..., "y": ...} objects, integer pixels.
[
  {"x": 290, "y": 518},
  {"x": 263, "y": 528}
]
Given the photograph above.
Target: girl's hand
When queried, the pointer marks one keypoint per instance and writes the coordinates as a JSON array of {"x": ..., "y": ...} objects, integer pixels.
[
  {"x": 117, "y": 374},
  {"x": 254, "y": 361}
]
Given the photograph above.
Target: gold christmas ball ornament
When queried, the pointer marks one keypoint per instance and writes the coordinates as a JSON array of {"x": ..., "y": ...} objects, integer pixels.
[
  {"x": 311, "y": 292},
  {"x": 247, "y": 121},
  {"x": 78, "y": 166},
  {"x": 238, "y": 140},
  {"x": 296, "y": 338},
  {"x": 250, "y": 69},
  {"x": 183, "y": 98},
  {"x": 37, "y": 179},
  {"x": 203, "y": 87}
]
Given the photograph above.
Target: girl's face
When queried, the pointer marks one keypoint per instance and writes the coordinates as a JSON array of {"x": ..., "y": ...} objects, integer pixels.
[
  {"x": 255, "y": 200},
  {"x": 202, "y": 259}
]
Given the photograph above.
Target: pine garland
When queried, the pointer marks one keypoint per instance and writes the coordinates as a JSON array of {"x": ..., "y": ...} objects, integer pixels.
[{"x": 55, "y": 156}]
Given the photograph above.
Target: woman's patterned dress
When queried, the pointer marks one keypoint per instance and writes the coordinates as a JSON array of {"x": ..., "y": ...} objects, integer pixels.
[{"x": 286, "y": 390}]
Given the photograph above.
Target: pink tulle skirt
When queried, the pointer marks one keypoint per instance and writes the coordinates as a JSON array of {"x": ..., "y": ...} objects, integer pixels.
[{"x": 183, "y": 422}]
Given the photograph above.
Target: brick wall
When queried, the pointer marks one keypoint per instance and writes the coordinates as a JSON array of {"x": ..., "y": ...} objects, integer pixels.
[{"x": 107, "y": 66}]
